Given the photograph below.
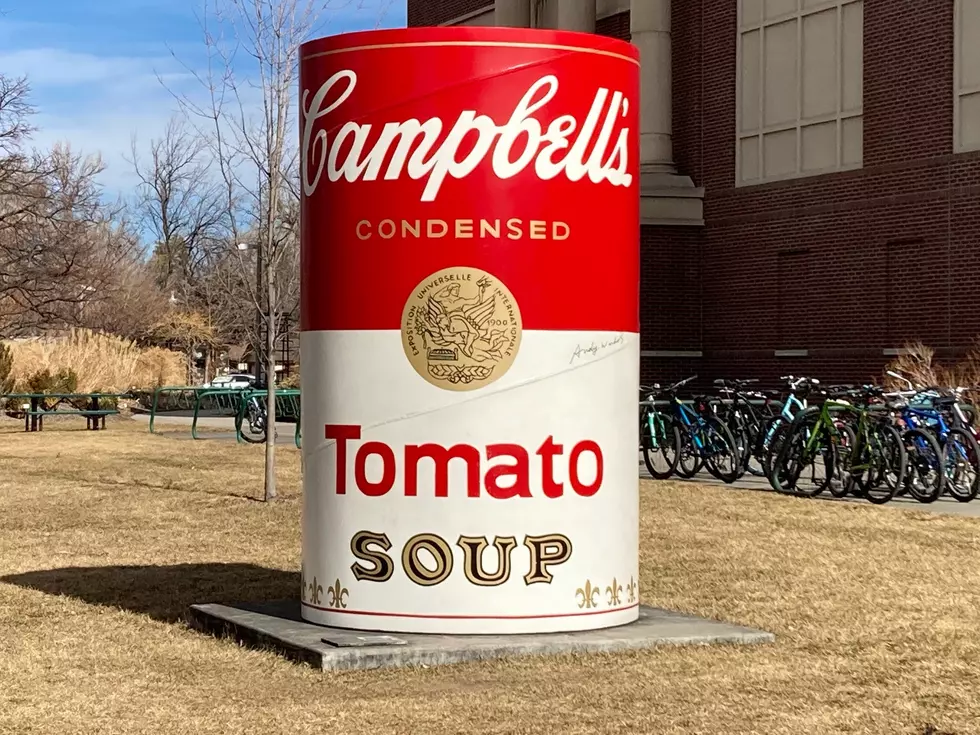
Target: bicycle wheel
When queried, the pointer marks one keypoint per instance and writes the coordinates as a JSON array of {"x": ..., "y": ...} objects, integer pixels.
[
  {"x": 794, "y": 455},
  {"x": 961, "y": 465},
  {"x": 925, "y": 478},
  {"x": 841, "y": 483},
  {"x": 887, "y": 467},
  {"x": 661, "y": 445},
  {"x": 721, "y": 454},
  {"x": 781, "y": 459},
  {"x": 810, "y": 461},
  {"x": 773, "y": 443},
  {"x": 689, "y": 460},
  {"x": 741, "y": 433},
  {"x": 254, "y": 425},
  {"x": 750, "y": 441}
]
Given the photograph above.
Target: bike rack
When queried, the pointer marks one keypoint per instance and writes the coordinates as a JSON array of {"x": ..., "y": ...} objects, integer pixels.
[
  {"x": 168, "y": 389},
  {"x": 217, "y": 393},
  {"x": 755, "y": 402}
]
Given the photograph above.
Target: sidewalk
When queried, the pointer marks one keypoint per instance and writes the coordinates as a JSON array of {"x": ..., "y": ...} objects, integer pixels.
[
  {"x": 284, "y": 437},
  {"x": 945, "y": 505}
]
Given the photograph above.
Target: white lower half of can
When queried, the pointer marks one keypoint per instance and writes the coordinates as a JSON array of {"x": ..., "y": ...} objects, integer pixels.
[{"x": 390, "y": 560}]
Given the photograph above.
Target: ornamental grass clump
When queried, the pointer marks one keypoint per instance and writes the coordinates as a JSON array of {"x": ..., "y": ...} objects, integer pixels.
[
  {"x": 98, "y": 361},
  {"x": 918, "y": 363}
]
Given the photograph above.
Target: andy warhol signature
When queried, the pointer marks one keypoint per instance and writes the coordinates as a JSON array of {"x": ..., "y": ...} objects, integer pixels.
[{"x": 594, "y": 348}]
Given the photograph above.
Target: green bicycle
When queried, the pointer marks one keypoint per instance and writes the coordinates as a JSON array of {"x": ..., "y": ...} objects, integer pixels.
[{"x": 843, "y": 446}]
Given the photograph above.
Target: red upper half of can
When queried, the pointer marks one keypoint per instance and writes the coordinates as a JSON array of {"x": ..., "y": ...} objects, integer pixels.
[{"x": 509, "y": 150}]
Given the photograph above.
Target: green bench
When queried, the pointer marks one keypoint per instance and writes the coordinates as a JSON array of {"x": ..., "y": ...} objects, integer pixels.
[{"x": 64, "y": 404}]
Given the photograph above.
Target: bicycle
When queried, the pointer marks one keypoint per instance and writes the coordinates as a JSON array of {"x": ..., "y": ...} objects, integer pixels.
[
  {"x": 925, "y": 479},
  {"x": 254, "y": 419},
  {"x": 704, "y": 439},
  {"x": 945, "y": 418},
  {"x": 660, "y": 437},
  {"x": 743, "y": 418},
  {"x": 769, "y": 440},
  {"x": 874, "y": 460}
]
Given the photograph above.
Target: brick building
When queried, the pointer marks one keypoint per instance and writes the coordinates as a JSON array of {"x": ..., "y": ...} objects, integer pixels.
[{"x": 810, "y": 176}]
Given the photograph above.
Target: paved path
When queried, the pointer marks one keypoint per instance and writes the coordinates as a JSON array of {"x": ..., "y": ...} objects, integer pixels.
[
  {"x": 945, "y": 505},
  {"x": 284, "y": 437}
]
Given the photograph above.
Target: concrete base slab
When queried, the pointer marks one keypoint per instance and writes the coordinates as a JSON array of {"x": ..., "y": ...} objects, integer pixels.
[{"x": 279, "y": 626}]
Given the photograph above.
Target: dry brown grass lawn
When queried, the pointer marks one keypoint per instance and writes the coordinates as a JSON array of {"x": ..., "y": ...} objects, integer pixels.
[{"x": 106, "y": 538}]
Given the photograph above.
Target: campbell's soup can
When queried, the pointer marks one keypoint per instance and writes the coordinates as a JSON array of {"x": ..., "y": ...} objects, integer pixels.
[{"x": 470, "y": 348}]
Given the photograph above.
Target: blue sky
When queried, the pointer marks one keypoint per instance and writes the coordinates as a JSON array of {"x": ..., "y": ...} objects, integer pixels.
[{"x": 93, "y": 65}]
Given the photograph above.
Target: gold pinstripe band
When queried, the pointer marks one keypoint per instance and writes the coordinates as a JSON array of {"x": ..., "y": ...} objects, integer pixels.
[{"x": 490, "y": 44}]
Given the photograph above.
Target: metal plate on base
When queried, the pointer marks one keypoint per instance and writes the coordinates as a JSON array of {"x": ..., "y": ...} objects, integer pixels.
[{"x": 355, "y": 640}]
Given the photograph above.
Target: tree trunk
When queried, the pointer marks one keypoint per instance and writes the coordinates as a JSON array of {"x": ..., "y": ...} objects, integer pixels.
[
  {"x": 270, "y": 379},
  {"x": 260, "y": 295}
]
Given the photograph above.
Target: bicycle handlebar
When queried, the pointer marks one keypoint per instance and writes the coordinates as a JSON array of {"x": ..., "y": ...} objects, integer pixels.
[
  {"x": 735, "y": 382},
  {"x": 678, "y": 384},
  {"x": 796, "y": 382}
]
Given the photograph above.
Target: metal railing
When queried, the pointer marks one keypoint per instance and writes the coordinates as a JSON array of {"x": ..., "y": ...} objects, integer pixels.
[
  {"x": 186, "y": 397},
  {"x": 225, "y": 399}
]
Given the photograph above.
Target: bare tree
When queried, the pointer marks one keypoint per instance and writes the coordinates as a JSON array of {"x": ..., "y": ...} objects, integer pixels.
[
  {"x": 180, "y": 201},
  {"x": 58, "y": 242},
  {"x": 67, "y": 258},
  {"x": 181, "y": 204},
  {"x": 249, "y": 125},
  {"x": 134, "y": 303},
  {"x": 184, "y": 331},
  {"x": 15, "y": 112}
]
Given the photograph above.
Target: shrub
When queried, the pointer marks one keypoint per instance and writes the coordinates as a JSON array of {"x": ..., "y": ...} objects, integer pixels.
[
  {"x": 156, "y": 367},
  {"x": 105, "y": 402},
  {"x": 42, "y": 381},
  {"x": 917, "y": 363},
  {"x": 98, "y": 360},
  {"x": 39, "y": 382},
  {"x": 65, "y": 381}
]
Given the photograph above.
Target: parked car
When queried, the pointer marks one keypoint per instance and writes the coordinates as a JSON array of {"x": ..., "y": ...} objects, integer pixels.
[{"x": 234, "y": 381}]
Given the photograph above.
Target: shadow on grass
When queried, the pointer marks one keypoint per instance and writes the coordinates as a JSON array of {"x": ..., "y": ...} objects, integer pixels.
[{"x": 163, "y": 592}]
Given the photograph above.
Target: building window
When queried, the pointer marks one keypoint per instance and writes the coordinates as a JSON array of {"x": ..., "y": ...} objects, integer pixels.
[
  {"x": 800, "y": 82},
  {"x": 966, "y": 109}
]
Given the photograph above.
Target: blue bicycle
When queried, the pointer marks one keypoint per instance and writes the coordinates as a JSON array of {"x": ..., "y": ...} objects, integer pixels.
[
  {"x": 768, "y": 440},
  {"x": 703, "y": 439},
  {"x": 934, "y": 412}
]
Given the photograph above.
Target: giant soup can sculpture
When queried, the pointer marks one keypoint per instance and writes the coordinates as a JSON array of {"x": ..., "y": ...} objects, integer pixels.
[{"x": 470, "y": 351}]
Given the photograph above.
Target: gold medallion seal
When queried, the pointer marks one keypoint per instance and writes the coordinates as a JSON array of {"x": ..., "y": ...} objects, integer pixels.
[{"x": 461, "y": 328}]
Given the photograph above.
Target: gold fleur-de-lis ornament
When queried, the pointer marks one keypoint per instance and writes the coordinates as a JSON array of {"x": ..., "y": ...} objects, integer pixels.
[
  {"x": 613, "y": 592},
  {"x": 337, "y": 595},
  {"x": 587, "y": 595},
  {"x": 316, "y": 592},
  {"x": 631, "y": 591}
]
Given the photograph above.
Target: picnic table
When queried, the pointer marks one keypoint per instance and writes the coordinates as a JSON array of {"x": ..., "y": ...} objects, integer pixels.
[{"x": 63, "y": 404}]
